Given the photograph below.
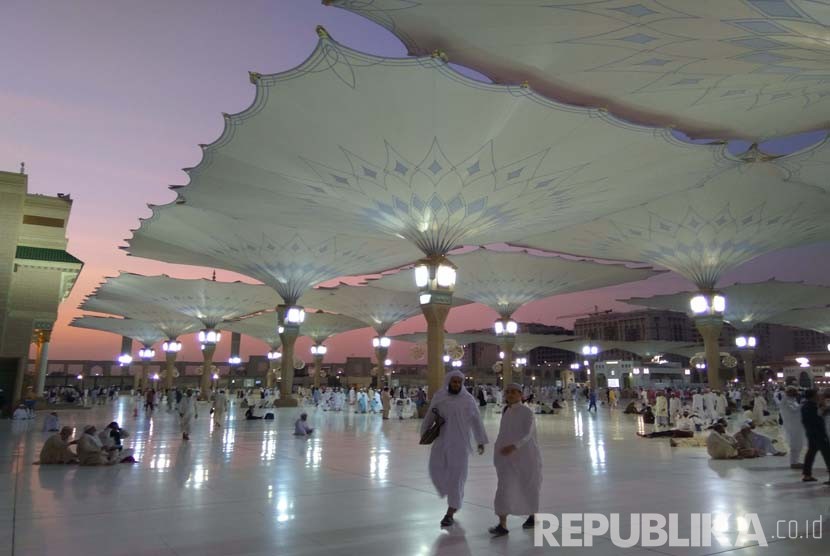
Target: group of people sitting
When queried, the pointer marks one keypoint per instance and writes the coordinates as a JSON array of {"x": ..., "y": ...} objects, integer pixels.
[
  {"x": 746, "y": 443},
  {"x": 93, "y": 447}
]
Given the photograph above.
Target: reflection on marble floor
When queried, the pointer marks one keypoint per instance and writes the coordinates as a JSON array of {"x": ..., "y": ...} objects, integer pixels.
[{"x": 360, "y": 486}]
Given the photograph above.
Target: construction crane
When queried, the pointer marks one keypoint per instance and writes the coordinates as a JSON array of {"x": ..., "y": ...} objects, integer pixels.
[{"x": 593, "y": 314}]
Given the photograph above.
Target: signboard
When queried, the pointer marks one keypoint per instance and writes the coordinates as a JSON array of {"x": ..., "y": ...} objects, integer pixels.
[{"x": 613, "y": 383}]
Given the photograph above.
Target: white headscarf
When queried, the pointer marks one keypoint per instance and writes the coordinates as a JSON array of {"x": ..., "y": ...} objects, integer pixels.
[{"x": 445, "y": 391}]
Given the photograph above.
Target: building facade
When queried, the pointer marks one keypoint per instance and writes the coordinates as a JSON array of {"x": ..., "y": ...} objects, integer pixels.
[{"x": 36, "y": 275}]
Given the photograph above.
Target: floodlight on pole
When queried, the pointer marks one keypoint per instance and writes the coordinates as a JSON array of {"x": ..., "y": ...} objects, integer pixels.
[
  {"x": 209, "y": 337},
  {"x": 381, "y": 341},
  {"x": 234, "y": 360},
  {"x": 171, "y": 346},
  {"x": 125, "y": 359},
  {"x": 319, "y": 350}
]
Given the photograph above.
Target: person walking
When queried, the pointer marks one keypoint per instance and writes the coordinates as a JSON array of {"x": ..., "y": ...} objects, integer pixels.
[
  {"x": 220, "y": 406},
  {"x": 449, "y": 455},
  {"x": 592, "y": 400},
  {"x": 187, "y": 412},
  {"x": 518, "y": 462},
  {"x": 790, "y": 413},
  {"x": 817, "y": 440},
  {"x": 386, "y": 402}
]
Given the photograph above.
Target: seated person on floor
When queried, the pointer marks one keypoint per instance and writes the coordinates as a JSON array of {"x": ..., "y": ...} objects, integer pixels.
[
  {"x": 51, "y": 423},
  {"x": 111, "y": 440},
  {"x": 720, "y": 445},
  {"x": 249, "y": 415},
  {"x": 648, "y": 416},
  {"x": 57, "y": 448},
  {"x": 301, "y": 427},
  {"x": 754, "y": 445}
]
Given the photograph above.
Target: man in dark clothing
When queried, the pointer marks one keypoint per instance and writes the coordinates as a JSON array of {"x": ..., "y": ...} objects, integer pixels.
[{"x": 816, "y": 431}]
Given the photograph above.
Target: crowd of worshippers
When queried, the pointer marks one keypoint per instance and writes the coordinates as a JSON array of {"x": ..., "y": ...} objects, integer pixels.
[
  {"x": 92, "y": 447},
  {"x": 803, "y": 417}
]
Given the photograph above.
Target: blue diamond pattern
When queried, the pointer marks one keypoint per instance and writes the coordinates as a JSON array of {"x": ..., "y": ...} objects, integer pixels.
[
  {"x": 757, "y": 43},
  {"x": 760, "y": 26},
  {"x": 474, "y": 169},
  {"x": 654, "y": 62},
  {"x": 514, "y": 174},
  {"x": 637, "y": 10},
  {"x": 639, "y": 38},
  {"x": 688, "y": 81},
  {"x": 340, "y": 179},
  {"x": 775, "y": 8},
  {"x": 436, "y": 204},
  {"x": 368, "y": 172},
  {"x": 400, "y": 168},
  {"x": 476, "y": 206},
  {"x": 435, "y": 167}
]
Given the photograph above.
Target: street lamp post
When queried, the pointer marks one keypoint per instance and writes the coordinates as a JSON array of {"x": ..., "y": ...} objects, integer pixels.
[
  {"x": 146, "y": 355},
  {"x": 708, "y": 308},
  {"x": 208, "y": 339},
  {"x": 746, "y": 347},
  {"x": 506, "y": 330},
  {"x": 273, "y": 358},
  {"x": 435, "y": 278},
  {"x": 289, "y": 319},
  {"x": 171, "y": 349},
  {"x": 590, "y": 351},
  {"x": 381, "y": 345},
  {"x": 318, "y": 352}
]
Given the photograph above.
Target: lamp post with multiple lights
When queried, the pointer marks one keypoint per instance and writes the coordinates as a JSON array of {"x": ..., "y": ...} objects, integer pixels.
[
  {"x": 273, "y": 359},
  {"x": 381, "y": 345},
  {"x": 707, "y": 309},
  {"x": 318, "y": 352},
  {"x": 289, "y": 319},
  {"x": 590, "y": 352},
  {"x": 746, "y": 347},
  {"x": 506, "y": 330},
  {"x": 171, "y": 349},
  {"x": 208, "y": 339},
  {"x": 435, "y": 278},
  {"x": 146, "y": 355}
]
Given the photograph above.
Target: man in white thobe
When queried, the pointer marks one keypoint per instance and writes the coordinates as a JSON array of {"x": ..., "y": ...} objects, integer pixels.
[
  {"x": 187, "y": 412},
  {"x": 518, "y": 462},
  {"x": 790, "y": 411},
  {"x": 661, "y": 410},
  {"x": 220, "y": 406},
  {"x": 709, "y": 406},
  {"x": 674, "y": 408},
  {"x": 352, "y": 396},
  {"x": 697, "y": 404},
  {"x": 759, "y": 405},
  {"x": 449, "y": 455}
]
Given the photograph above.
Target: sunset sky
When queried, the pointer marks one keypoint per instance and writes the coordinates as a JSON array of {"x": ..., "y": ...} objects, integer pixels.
[{"x": 107, "y": 101}]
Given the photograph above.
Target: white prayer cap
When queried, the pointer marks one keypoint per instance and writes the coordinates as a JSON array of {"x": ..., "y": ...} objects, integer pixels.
[
  {"x": 747, "y": 424},
  {"x": 513, "y": 386}
]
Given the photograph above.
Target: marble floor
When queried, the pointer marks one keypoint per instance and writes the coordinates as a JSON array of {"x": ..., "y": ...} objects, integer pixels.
[{"x": 360, "y": 486}]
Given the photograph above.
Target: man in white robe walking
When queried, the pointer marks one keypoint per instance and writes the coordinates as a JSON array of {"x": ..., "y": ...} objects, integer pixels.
[
  {"x": 220, "y": 406},
  {"x": 790, "y": 411},
  {"x": 518, "y": 462},
  {"x": 187, "y": 412},
  {"x": 450, "y": 452}
]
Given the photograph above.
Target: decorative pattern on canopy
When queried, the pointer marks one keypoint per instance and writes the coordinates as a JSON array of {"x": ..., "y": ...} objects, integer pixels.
[
  {"x": 173, "y": 324},
  {"x": 146, "y": 333},
  {"x": 748, "y": 304},
  {"x": 406, "y": 149},
  {"x": 208, "y": 301},
  {"x": 701, "y": 233},
  {"x": 746, "y": 68},
  {"x": 376, "y": 307},
  {"x": 262, "y": 327},
  {"x": 287, "y": 259}
]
